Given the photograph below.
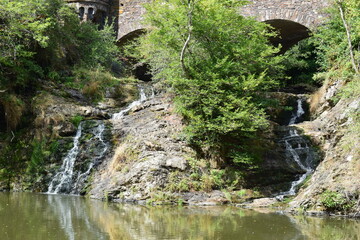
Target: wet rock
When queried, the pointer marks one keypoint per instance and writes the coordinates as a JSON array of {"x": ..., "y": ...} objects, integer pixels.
[{"x": 204, "y": 199}]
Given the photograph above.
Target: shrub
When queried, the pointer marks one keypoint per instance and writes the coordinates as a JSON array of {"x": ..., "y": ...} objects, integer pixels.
[
  {"x": 76, "y": 120},
  {"x": 334, "y": 201}
]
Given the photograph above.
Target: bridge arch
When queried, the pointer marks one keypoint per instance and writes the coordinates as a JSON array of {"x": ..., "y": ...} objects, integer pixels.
[
  {"x": 308, "y": 13},
  {"x": 130, "y": 17},
  {"x": 140, "y": 71},
  {"x": 124, "y": 39},
  {"x": 289, "y": 33}
]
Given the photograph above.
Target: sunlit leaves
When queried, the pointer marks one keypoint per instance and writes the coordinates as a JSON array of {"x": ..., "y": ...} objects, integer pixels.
[{"x": 228, "y": 60}]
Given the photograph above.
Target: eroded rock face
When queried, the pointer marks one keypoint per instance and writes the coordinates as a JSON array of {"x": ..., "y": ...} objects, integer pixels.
[
  {"x": 54, "y": 112},
  {"x": 340, "y": 169},
  {"x": 149, "y": 148}
]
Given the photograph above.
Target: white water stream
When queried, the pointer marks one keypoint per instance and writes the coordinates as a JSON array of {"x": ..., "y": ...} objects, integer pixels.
[
  {"x": 135, "y": 103},
  {"x": 298, "y": 150},
  {"x": 69, "y": 180},
  {"x": 62, "y": 180},
  {"x": 81, "y": 177},
  {"x": 299, "y": 112}
]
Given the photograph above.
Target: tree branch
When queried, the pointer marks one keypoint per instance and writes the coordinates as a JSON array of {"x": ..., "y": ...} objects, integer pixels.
[
  {"x": 189, "y": 26},
  {"x": 348, "y": 37}
]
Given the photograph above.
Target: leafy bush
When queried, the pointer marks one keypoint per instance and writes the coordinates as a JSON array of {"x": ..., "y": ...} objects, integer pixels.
[
  {"x": 76, "y": 120},
  {"x": 334, "y": 201},
  {"x": 41, "y": 152},
  {"x": 300, "y": 63}
]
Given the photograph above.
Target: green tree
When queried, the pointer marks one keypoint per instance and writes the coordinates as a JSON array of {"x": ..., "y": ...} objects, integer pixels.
[
  {"x": 338, "y": 40},
  {"x": 40, "y": 37},
  {"x": 43, "y": 41},
  {"x": 217, "y": 63}
]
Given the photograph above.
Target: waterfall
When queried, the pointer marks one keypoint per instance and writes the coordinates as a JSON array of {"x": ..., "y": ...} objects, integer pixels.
[
  {"x": 299, "y": 112},
  {"x": 135, "y": 103},
  {"x": 82, "y": 177},
  {"x": 74, "y": 171},
  {"x": 63, "y": 179},
  {"x": 297, "y": 150}
]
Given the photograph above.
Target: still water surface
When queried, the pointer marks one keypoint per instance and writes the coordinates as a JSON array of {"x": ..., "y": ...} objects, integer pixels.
[{"x": 26, "y": 216}]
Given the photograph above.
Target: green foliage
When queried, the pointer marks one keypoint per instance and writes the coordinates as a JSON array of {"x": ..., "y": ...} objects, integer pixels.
[
  {"x": 241, "y": 193},
  {"x": 332, "y": 44},
  {"x": 76, "y": 120},
  {"x": 244, "y": 159},
  {"x": 13, "y": 160},
  {"x": 334, "y": 201},
  {"x": 218, "y": 75},
  {"x": 300, "y": 63},
  {"x": 94, "y": 83},
  {"x": 160, "y": 197},
  {"x": 39, "y": 154},
  {"x": 45, "y": 39}
]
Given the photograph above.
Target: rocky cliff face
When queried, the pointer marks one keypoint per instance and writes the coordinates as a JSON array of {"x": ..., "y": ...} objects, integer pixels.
[
  {"x": 150, "y": 158},
  {"x": 335, "y": 185},
  {"x": 148, "y": 149}
]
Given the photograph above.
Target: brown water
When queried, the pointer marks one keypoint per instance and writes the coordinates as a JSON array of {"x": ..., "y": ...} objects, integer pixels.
[{"x": 28, "y": 216}]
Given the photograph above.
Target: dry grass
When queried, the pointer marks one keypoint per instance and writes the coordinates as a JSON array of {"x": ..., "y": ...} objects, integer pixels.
[
  {"x": 124, "y": 155},
  {"x": 14, "y": 109},
  {"x": 317, "y": 99},
  {"x": 93, "y": 90},
  {"x": 125, "y": 92}
]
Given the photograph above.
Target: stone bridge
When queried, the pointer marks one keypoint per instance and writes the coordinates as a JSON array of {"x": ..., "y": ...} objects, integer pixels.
[{"x": 294, "y": 19}]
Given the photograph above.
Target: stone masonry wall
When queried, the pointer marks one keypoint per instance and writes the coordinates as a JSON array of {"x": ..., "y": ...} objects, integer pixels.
[
  {"x": 129, "y": 13},
  {"x": 306, "y": 12}
]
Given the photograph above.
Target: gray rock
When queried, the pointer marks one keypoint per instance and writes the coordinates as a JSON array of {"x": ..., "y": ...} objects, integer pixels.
[{"x": 176, "y": 162}]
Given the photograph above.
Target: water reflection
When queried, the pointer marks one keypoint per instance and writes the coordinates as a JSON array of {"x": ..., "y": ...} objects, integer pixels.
[{"x": 31, "y": 216}]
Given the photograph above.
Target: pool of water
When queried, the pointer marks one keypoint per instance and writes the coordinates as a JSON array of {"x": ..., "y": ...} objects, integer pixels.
[{"x": 29, "y": 216}]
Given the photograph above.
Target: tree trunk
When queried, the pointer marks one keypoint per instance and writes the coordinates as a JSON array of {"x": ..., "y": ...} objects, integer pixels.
[
  {"x": 355, "y": 67},
  {"x": 189, "y": 27}
]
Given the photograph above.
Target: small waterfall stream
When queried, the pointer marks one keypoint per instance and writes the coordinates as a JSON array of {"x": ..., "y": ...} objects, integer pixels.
[
  {"x": 298, "y": 152},
  {"x": 82, "y": 177},
  {"x": 62, "y": 181},
  {"x": 72, "y": 175},
  {"x": 87, "y": 152},
  {"x": 135, "y": 103}
]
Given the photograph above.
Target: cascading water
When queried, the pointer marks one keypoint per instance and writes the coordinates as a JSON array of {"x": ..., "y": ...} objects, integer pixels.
[
  {"x": 63, "y": 179},
  {"x": 298, "y": 151},
  {"x": 299, "y": 112},
  {"x": 135, "y": 103},
  {"x": 82, "y": 177},
  {"x": 74, "y": 171}
]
